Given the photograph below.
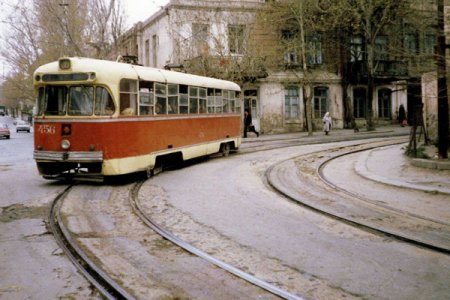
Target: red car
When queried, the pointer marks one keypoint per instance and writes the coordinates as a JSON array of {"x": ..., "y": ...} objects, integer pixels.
[{"x": 4, "y": 131}]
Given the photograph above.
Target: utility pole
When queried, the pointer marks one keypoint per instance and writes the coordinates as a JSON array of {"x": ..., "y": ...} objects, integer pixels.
[{"x": 443, "y": 120}]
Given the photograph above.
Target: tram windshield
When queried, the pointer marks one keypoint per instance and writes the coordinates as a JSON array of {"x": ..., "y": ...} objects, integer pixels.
[{"x": 77, "y": 100}]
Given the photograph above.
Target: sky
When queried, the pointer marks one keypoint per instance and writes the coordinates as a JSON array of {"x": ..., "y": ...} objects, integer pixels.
[
  {"x": 141, "y": 10},
  {"x": 136, "y": 10}
]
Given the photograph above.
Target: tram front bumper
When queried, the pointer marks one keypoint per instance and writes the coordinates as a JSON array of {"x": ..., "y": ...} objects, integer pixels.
[{"x": 70, "y": 156}]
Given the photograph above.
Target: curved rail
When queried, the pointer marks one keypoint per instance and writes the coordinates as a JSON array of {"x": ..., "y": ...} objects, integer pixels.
[
  {"x": 364, "y": 199},
  {"x": 105, "y": 284},
  {"x": 134, "y": 201},
  {"x": 342, "y": 218}
]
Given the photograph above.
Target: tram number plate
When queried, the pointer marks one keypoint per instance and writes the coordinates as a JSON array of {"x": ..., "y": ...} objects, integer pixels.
[{"x": 47, "y": 129}]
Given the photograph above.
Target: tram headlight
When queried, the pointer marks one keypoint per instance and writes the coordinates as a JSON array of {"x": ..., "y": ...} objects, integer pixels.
[
  {"x": 64, "y": 64},
  {"x": 65, "y": 144}
]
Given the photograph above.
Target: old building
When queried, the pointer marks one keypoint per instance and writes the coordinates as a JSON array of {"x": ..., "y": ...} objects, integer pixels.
[{"x": 220, "y": 38}]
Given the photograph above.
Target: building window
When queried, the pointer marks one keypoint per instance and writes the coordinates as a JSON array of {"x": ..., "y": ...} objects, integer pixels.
[
  {"x": 384, "y": 103},
  {"x": 147, "y": 53},
  {"x": 288, "y": 38},
  {"x": 200, "y": 36},
  {"x": 359, "y": 103},
  {"x": 429, "y": 44},
  {"x": 411, "y": 44},
  {"x": 315, "y": 50},
  {"x": 356, "y": 49},
  {"x": 155, "y": 43},
  {"x": 320, "y": 101},
  {"x": 291, "y": 103},
  {"x": 236, "y": 38},
  {"x": 381, "y": 48}
]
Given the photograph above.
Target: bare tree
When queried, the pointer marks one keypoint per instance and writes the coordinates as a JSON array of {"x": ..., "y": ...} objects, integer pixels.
[
  {"x": 40, "y": 31},
  {"x": 296, "y": 30}
]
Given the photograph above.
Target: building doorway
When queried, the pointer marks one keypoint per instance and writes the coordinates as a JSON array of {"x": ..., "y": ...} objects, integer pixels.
[
  {"x": 251, "y": 103},
  {"x": 384, "y": 104}
]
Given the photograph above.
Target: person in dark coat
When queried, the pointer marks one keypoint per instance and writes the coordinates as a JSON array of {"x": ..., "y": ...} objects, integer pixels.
[
  {"x": 248, "y": 124},
  {"x": 402, "y": 116}
]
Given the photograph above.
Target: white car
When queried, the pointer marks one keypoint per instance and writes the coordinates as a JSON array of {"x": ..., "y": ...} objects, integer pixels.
[{"x": 23, "y": 126}]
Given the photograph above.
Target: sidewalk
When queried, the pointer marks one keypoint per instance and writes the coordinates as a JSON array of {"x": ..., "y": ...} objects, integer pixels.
[{"x": 391, "y": 130}]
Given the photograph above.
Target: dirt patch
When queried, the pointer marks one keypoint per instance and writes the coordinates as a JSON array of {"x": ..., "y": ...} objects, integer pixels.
[
  {"x": 20, "y": 211},
  {"x": 4, "y": 168}
]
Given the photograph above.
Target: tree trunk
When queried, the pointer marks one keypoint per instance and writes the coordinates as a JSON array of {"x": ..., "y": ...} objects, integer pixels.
[
  {"x": 308, "y": 107},
  {"x": 443, "y": 118}
]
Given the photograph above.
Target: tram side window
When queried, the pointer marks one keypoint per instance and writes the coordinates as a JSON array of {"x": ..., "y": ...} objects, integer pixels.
[
  {"x": 146, "y": 98},
  {"x": 211, "y": 101},
  {"x": 237, "y": 107},
  {"x": 184, "y": 99},
  {"x": 55, "y": 100},
  {"x": 202, "y": 100},
  {"x": 225, "y": 102},
  {"x": 232, "y": 100},
  {"x": 104, "y": 104},
  {"x": 193, "y": 100},
  {"x": 218, "y": 100},
  {"x": 128, "y": 97},
  {"x": 172, "y": 99},
  {"x": 161, "y": 99}
]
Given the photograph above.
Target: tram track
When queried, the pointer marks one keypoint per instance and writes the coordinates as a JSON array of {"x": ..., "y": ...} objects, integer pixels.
[
  {"x": 109, "y": 288},
  {"x": 87, "y": 261},
  {"x": 318, "y": 162},
  {"x": 134, "y": 201},
  {"x": 315, "y": 191}
]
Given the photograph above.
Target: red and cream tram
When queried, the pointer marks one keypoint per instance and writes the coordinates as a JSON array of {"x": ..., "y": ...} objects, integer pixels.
[{"x": 99, "y": 118}]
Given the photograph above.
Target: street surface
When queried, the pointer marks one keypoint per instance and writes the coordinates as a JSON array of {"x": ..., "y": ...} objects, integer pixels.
[
  {"x": 31, "y": 264},
  {"x": 223, "y": 206}
]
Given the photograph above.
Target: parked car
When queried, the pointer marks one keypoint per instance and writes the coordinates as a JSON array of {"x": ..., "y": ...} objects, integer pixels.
[
  {"x": 22, "y": 126},
  {"x": 4, "y": 131}
]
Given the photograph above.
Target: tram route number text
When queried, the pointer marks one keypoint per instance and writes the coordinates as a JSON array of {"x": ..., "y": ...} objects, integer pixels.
[{"x": 47, "y": 129}]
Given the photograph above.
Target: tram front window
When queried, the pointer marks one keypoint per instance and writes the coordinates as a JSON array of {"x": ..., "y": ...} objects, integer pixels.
[
  {"x": 81, "y": 100},
  {"x": 53, "y": 101}
]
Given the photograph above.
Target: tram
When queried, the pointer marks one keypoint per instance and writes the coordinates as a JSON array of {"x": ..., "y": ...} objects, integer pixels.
[{"x": 98, "y": 118}]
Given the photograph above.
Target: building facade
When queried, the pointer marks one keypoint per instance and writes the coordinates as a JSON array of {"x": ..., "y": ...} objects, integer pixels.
[{"x": 211, "y": 37}]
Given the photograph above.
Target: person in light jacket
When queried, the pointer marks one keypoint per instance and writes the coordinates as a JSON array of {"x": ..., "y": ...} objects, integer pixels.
[{"x": 326, "y": 123}]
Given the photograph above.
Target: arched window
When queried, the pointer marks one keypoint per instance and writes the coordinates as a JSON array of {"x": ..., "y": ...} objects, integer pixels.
[
  {"x": 384, "y": 103},
  {"x": 320, "y": 101}
]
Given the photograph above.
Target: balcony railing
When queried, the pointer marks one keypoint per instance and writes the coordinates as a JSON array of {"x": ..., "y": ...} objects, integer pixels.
[{"x": 383, "y": 69}]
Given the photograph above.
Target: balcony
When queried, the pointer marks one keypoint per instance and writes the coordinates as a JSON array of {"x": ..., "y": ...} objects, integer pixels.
[{"x": 384, "y": 70}]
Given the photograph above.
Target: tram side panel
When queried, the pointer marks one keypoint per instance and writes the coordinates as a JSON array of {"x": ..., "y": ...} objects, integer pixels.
[{"x": 127, "y": 145}]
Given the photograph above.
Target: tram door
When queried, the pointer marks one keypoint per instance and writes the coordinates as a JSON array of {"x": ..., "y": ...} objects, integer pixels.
[{"x": 251, "y": 103}]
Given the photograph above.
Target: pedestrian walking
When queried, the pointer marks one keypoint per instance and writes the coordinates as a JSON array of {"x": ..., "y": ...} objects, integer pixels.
[
  {"x": 248, "y": 125},
  {"x": 326, "y": 123}
]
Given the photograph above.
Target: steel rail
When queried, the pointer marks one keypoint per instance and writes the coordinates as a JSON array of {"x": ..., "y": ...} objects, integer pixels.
[
  {"x": 346, "y": 220},
  {"x": 134, "y": 201},
  {"x": 97, "y": 277},
  {"x": 362, "y": 198}
]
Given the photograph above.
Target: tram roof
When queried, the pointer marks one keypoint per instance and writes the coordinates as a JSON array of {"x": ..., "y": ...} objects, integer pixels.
[{"x": 125, "y": 70}]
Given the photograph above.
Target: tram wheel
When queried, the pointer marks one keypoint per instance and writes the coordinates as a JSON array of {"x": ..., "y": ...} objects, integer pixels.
[{"x": 225, "y": 149}]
